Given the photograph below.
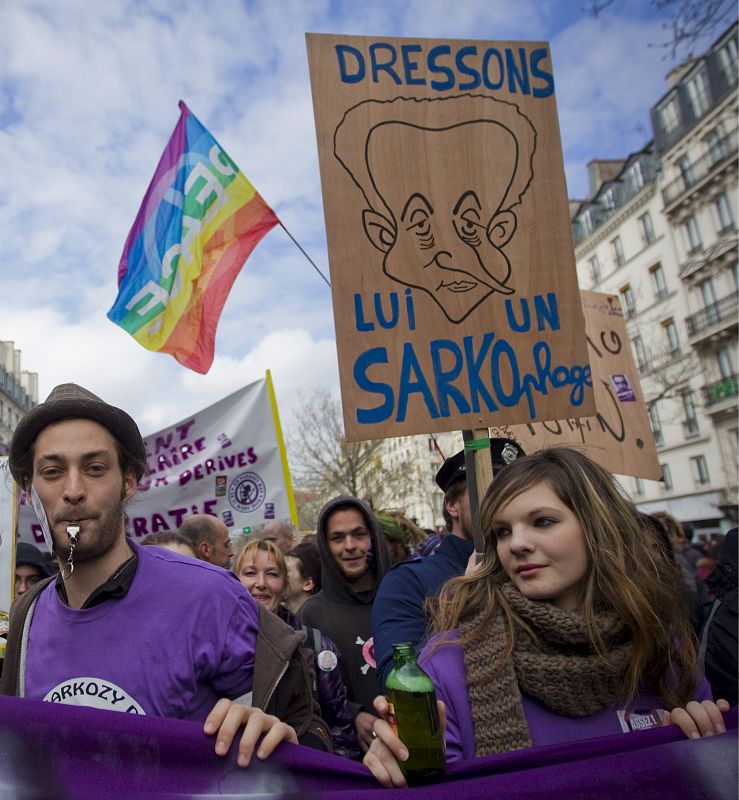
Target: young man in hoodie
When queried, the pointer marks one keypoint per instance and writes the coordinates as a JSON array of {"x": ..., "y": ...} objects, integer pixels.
[{"x": 354, "y": 560}]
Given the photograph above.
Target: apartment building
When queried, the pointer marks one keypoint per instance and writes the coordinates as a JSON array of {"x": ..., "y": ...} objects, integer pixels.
[
  {"x": 419, "y": 497},
  {"x": 18, "y": 391},
  {"x": 659, "y": 230}
]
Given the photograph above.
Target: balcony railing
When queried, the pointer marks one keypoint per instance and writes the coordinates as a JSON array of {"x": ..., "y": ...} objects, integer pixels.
[
  {"x": 712, "y": 314},
  {"x": 720, "y": 390},
  {"x": 714, "y": 159}
]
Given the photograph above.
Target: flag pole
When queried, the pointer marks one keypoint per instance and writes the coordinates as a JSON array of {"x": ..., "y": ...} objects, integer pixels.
[{"x": 297, "y": 244}]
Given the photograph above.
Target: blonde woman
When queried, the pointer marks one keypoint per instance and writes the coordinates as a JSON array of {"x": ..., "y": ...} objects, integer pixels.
[{"x": 261, "y": 567}]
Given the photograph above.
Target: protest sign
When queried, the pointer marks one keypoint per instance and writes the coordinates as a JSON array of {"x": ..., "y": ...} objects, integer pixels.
[
  {"x": 619, "y": 436},
  {"x": 227, "y": 460},
  {"x": 453, "y": 272},
  {"x": 8, "y": 514}
]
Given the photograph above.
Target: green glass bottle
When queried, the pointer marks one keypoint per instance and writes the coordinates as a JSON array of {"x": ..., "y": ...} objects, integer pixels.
[{"x": 415, "y": 716}]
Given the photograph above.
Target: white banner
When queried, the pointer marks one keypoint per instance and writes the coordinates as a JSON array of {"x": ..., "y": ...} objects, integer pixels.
[
  {"x": 227, "y": 460},
  {"x": 8, "y": 506}
]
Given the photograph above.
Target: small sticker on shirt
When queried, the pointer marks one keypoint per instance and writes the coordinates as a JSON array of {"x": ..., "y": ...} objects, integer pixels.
[
  {"x": 639, "y": 720},
  {"x": 327, "y": 661},
  {"x": 95, "y": 693}
]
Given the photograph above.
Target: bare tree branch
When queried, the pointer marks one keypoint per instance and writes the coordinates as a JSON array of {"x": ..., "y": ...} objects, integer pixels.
[
  {"x": 691, "y": 19},
  {"x": 324, "y": 464}
]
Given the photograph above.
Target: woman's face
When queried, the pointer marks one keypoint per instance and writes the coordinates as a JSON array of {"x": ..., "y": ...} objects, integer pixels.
[
  {"x": 541, "y": 546},
  {"x": 263, "y": 579}
]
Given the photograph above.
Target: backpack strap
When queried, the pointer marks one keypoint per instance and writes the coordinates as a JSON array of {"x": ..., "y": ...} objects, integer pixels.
[{"x": 21, "y": 614}]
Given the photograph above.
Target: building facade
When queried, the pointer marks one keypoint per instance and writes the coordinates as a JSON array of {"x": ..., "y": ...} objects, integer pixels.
[
  {"x": 421, "y": 500},
  {"x": 18, "y": 391},
  {"x": 661, "y": 233}
]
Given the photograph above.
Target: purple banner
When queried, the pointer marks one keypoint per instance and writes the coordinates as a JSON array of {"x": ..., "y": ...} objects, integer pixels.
[{"x": 49, "y": 750}]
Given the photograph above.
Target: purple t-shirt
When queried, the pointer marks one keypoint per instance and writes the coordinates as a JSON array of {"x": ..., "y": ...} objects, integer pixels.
[
  {"x": 445, "y": 666},
  {"x": 183, "y": 637}
]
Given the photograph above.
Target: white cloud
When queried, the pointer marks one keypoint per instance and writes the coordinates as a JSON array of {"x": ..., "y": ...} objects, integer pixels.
[{"x": 88, "y": 98}]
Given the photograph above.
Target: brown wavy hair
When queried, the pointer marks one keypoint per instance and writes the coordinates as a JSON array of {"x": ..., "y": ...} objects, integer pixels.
[{"x": 623, "y": 575}]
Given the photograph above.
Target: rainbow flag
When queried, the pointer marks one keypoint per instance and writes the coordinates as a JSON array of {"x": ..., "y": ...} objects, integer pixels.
[{"x": 198, "y": 223}]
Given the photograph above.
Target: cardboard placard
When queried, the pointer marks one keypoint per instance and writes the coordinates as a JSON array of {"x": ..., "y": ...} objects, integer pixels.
[
  {"x": 619, "y": 437},
  {"x": 453, "y": 272}
]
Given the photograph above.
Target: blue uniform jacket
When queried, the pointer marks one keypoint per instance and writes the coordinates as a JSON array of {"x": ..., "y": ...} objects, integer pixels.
[{"x": 398, "y": 613}]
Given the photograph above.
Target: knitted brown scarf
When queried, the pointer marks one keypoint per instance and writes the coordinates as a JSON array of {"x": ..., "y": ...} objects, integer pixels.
[{"x": 557, "y": 666}]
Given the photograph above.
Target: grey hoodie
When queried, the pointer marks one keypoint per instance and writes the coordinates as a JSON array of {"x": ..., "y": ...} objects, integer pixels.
[{"x": 344, "y": 615}]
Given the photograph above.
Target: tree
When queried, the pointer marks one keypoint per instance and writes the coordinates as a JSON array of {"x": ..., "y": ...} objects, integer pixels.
[
  {"x": 691, "y": 19},
  {"x": 324, "y": 464}
]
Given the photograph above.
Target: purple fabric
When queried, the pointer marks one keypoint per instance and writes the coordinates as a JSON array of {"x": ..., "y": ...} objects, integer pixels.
[
  {"x": 445, "y": 666},
  {"x": 70, "y": 752},
  {"x": 182, "y": 637}
]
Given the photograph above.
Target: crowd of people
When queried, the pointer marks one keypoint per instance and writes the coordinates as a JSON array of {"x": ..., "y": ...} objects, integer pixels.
[{"x": 582, "y": 618}]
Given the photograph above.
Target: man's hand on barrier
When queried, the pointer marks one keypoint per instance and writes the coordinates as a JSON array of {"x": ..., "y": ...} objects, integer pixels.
[{"x": 227, "y": 717}]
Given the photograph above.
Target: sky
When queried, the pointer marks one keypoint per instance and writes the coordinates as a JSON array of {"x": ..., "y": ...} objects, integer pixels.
[{"x": 88, "y": 100}]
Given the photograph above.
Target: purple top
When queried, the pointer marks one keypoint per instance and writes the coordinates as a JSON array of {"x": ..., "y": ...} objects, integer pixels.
[
  {"x": 445, "y": 666},
  {"x": 182, "y": 637}
]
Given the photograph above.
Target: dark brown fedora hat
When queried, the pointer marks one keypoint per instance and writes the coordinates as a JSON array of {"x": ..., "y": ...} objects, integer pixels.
[{"x": 70, "y": 401}]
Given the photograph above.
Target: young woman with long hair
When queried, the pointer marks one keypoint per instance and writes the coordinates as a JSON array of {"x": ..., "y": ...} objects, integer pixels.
[{"x": 571, "y": 627}]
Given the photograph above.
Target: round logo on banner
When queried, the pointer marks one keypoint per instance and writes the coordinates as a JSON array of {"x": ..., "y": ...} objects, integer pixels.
[{"x": 247, "y": 492}]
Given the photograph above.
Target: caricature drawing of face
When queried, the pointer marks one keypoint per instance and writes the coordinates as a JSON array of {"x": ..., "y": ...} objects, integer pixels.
[
  {"x": 441, "y": 178},
  {"x": 447, "y": 230}
]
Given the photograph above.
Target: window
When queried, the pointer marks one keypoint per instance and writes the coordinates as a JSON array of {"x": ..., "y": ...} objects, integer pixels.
[
  {"x": 656, "y": 424},
  {"x": 658, "y": 279},
  {"x": 647, "y": 228},
  {"x": 700, "y": 469},
  {"x": 724, "y": 214},
  {"x": 698, "y": 93},
  {"x": 627, "y": 298},
  {"x": 669, "y": 114},
  {"x": 685, "y": 165},
  {"x": 667, "y": 477},
  {"x": 587, "y": 221},
  {"x": 690, "y": 423},
  {"x": 639, "y": 486},
  {"x": 725, "y": 362},
  {"x": 609, "y": 199},
  {"x": 715, "y": 146},
  {"x": 708, "y": 292},
  {"x": 618, "y": 251},
  {"x": 595, "y": 268},
  {"x": 710, "y": 304},
  {"x": 673, "y": 340},
  {"x": 693, "y": 236},
  {"x": 635, "y": 177},
  {"x": 641, "y": 355},
  {"x": 727, "y": 59}
]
